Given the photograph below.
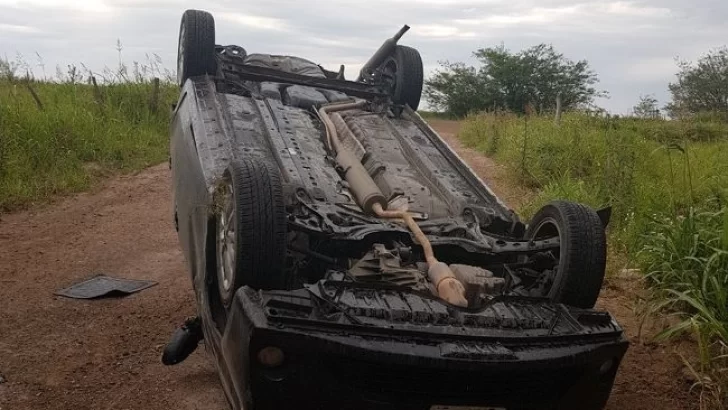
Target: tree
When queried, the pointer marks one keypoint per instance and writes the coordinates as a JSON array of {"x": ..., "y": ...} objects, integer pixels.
[
  {"x": 8, "y": 69},
  {"x": 509, "y": 81},
  {"x": 702, "y": 87},
  {"x": 646, "y": 107},
  {"x": 457, "y": 89}
]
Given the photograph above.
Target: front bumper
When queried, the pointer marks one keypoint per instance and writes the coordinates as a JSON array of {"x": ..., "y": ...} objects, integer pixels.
[{"x": 336, "y": 365}]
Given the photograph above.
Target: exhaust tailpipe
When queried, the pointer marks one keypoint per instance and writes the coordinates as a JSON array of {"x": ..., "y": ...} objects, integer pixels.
[{"x": 384, "y": 51}]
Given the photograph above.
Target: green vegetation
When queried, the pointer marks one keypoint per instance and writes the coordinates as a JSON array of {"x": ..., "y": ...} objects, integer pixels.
[
  {"x": 636, "y": 165},
  {"x": 530, "y": 80},
  {"x": 668, "y": 184},
  {"x": 71, "y": 132},
  {"x": 686, "y": 259},
  {"x": 701, "y": 87}
]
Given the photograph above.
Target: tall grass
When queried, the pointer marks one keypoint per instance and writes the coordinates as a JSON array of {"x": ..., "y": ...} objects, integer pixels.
[
  {"x": 686, "y": 259},
  {"x": 637, "y": 166},
  {"x": 668, "y": 184},
  {"x": 57, "y": 136}
]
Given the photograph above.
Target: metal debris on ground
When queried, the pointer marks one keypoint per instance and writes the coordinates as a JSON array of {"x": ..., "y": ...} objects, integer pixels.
[{"x": 104, "y": 286}]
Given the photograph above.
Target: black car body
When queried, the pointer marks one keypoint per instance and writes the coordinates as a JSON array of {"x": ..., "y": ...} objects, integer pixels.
[{"x": 331, "y": 306}]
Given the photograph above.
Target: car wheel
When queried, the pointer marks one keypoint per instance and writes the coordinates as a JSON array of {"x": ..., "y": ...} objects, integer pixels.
[
  {"x": 404, "y": 71},
  {"x": 250, "y": 229},
  {"x": 578, "y": 266},
  {"x": 196, "y": 47}
]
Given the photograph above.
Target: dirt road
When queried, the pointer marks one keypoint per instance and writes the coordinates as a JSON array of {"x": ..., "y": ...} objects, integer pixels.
[{"x": 58, "y": 353}]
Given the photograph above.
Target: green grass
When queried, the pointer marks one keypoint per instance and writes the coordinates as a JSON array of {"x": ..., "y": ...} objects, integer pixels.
[
  {"x": 668, "y": 184},
  {"x": 77, "y": 135},
  {"x": 686, "y": 261},
  {"x": 639, "y": 167}
]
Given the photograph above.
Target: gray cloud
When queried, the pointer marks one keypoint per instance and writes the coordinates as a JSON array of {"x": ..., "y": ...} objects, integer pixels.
[{"x": 630, "y": 44}]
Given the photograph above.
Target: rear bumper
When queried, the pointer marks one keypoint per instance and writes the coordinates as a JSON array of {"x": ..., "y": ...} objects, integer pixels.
[{"x": 335, "y": 368}]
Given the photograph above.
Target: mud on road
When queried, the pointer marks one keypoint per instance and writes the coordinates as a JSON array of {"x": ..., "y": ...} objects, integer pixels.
[{"x": 58, "y": 353}]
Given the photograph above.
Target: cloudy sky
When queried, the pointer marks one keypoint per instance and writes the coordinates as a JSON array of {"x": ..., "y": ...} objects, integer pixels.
[{"x": 630, "y": 44}]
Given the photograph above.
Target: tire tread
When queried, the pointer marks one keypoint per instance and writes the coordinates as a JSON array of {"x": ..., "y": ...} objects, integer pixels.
[
  {"x": 199, "y": 44},
  {"x": 585, "y": 251},
  {"x": 410, "y": 76},
  {"x": 261, "y": 225}
]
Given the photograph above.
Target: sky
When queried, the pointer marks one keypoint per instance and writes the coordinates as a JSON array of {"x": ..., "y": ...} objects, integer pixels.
[{"x": 631, "y": 45}]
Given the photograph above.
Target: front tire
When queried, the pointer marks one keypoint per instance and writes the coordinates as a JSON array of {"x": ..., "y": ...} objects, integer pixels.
[
  {"x": 581, "y": 260},
  {"x": 196, "y": 47},
  {"x": 250, "y": 229}
]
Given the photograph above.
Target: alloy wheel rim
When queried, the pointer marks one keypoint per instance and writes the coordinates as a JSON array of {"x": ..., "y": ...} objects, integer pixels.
[
  {"x": 549, "y": 228},
  {"x": 226, "y": 238}
]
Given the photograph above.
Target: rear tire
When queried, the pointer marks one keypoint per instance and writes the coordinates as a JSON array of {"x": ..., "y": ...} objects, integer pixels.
[
  {"x": 196, "y": 47},
  {"x": 251, "y": 229},
  {"x": 582, "y": 255},
  {"x": 408, "y": 76}
]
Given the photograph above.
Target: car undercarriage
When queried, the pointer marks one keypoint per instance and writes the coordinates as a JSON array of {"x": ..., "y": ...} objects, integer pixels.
[{"x": 334, "y": 239}]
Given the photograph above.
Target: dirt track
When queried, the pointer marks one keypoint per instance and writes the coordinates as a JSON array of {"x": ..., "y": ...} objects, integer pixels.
[{"x": 57, "y": 353}]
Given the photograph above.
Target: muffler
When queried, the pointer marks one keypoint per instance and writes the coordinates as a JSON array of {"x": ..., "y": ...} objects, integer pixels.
[{"x": 370, "y": 198}]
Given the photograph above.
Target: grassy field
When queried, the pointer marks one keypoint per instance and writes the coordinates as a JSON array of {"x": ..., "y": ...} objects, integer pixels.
[
  {"x": 668, "y": 184},
  {"x": 57, "y": 137}
]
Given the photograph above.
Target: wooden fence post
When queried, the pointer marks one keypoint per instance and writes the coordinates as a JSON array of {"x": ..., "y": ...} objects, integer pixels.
[
  {"x": 525, "y": 140},
  {"x": 97, "y": 92},
  {"x": 32, "y": 91},
  {"x": 557, "y": 116},
  {"x": 35, "y": 96},
  {"x": 154, "y": 98}
]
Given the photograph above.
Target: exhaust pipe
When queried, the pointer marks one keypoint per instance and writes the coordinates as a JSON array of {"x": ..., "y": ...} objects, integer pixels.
[
  {"x": 384, "y": 51},
  {"x": 372, "y": 201},
  {"x": 365, "y": 191},
  {"x": 447, "y": 286}
]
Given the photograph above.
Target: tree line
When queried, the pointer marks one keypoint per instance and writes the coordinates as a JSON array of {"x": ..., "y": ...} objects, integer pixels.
[{"x": 538, "y": 78}]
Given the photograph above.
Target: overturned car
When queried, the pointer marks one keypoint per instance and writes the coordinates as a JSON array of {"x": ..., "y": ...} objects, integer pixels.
[{"x": 344, "y": 257}]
